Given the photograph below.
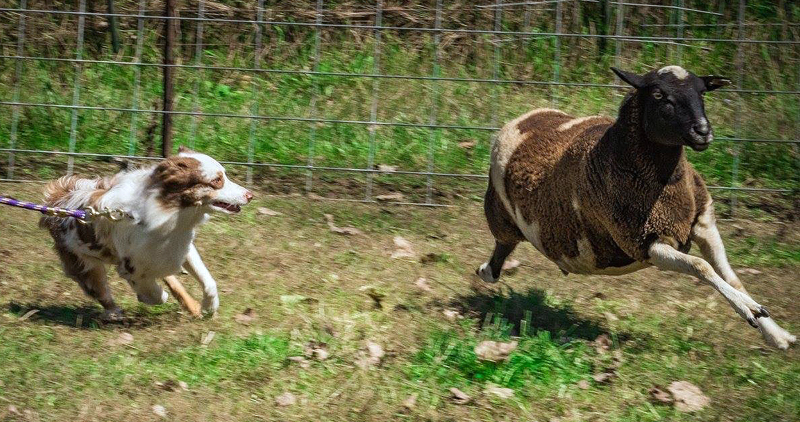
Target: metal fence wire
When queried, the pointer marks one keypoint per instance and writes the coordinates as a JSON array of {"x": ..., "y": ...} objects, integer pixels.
[{"x": 491, "y": 25}]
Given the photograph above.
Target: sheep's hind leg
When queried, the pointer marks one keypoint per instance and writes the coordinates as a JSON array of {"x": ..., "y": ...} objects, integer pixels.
[
  {"x": 707, "y": 236},
  {"x": 507, "y": 235},
  {"x": 666, "y": 257},
  {"x": 490, "y": 271}
]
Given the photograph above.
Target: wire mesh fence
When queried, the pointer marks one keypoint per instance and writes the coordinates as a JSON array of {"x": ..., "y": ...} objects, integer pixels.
[{"x": 375, "y": 89}]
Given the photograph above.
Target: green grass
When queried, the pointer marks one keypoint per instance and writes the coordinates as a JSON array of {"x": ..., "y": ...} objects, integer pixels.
[
  {"x": 62, "y": 363},
  {"x": 538, "y": 364}
]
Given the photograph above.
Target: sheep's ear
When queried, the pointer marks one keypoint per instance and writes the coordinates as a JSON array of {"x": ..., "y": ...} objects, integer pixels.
[
  {"x": 634, "y": 80},
  {"x": 184, "y": 150},
  {"x": 714, "y": 82}
]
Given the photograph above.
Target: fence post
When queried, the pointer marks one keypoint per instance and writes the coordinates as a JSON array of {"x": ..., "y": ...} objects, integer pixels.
[
  {"x": 76, "y": 93},
  {"x": 434, "y": 132},
  {"x": 112, "y": 18},
  {"x": 251, "y": 145},
  {"x": 169, "y": 61},
  {"x": 618, "y": 33},
  {"x": 679, "y": 47},
  {"x": 373, "y": 111},
  {"x": 312, "y": 133},
  {"x": 556, "y": 57},
  {"x": 737, "y": 123},
  {"x": 526, "y": 22},
  {"x": 498, "y": 25},
  {"x": 137, "y": 76},
  {"x": 23, "y": 4},
  {"x": 198, "y": 60}
]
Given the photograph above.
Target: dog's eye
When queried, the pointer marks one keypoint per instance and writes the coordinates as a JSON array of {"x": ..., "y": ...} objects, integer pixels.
[
  {"x": 217, "y": 181},
  {"x": 658, "y": 95}
]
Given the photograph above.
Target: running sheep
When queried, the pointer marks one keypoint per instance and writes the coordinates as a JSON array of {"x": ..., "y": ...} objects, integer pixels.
[{"x": 602, "y": 196}]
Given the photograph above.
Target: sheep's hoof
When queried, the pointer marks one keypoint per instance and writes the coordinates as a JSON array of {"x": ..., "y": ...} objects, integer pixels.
[
  {"x": 752, "y": 322},
  {"x": 484, "y": 272},
  {"x": 763, "y": 313}
]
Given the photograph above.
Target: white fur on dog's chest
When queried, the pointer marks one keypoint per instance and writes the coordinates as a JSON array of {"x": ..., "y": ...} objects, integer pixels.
[{"x": 155, "y": 256}]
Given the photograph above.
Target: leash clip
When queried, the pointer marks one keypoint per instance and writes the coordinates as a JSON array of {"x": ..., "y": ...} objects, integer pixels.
[
  {"x": 112, "y": 214},
  {"x": 89, "y": 213}
]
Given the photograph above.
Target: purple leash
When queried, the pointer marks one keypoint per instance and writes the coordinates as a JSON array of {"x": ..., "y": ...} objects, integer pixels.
[{"x": 85, "y": 215}]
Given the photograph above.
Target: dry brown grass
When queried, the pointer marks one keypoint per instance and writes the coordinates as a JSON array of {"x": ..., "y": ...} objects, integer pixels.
[{"x": 667, "y": 326}]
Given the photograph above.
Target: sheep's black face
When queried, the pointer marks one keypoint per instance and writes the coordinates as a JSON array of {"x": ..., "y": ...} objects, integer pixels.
[{"x": 671, "y": 99}]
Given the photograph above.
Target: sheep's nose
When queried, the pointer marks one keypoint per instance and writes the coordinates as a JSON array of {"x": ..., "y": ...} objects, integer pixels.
[
  {"x": 248, "y": 196},
  {"x": 702, "y": 128}
]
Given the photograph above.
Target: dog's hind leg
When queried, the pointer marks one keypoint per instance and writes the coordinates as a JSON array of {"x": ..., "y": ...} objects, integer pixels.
[
  {"x": 198, "y": 270},
  {"x": 183, "y": 297},
  {"x": 92, "y": 278}
]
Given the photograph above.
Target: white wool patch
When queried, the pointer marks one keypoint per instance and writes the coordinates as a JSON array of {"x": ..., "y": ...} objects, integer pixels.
[
  {"x": 572, "y": 123},
  {"x": 585, "y": 262},
  {"x": 678, "y": 71},
  {"x": 575, "y": 204},
  {"x": 485, "y": 273},
  {"x": 503, "y": 147},
  {"x": 530, "y": 231}
]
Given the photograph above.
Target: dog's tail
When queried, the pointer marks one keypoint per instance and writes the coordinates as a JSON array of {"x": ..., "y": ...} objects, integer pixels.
[
  {"x": 57, "y": 191},
  {"x": 74, "y": 191}
]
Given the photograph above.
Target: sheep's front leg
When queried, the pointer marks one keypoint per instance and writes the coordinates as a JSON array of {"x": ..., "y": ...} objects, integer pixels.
[
  {"x": 666, "y": 257},
  {"x": 706, "y": 235},
  {"x": 198, "y": 270}
]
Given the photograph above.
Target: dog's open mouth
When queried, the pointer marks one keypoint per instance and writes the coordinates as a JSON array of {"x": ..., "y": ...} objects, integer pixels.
[{"x": 226, "y": 207}]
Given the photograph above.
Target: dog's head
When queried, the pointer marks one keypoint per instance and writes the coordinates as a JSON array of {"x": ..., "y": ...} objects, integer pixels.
[{"x": 191, "y": 179}]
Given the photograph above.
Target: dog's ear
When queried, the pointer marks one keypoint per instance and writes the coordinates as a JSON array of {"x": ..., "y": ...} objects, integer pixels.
[
  {"x": 177, "y": 172},
  {"x": 183, "y": 149}
]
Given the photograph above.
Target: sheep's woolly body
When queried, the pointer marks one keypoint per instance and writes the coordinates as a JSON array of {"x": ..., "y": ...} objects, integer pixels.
[
  {"x": 566, "y": 185},
  {"x": 603, "y": 196}
]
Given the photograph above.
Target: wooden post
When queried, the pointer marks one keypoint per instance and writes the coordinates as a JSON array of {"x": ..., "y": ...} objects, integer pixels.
[
  {"x": 112, "y": 20},
  {"x": 169, "y": 70}
]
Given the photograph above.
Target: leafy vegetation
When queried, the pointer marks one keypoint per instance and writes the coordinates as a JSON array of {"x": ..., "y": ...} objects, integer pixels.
[{"x": 402, "y": 52}]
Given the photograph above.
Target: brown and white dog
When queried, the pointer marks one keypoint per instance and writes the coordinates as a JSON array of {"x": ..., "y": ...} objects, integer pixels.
[{"x": 166, "y": 202}]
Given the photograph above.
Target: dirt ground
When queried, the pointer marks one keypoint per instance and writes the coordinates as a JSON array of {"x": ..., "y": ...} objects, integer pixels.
[{"x": 290, "y": 285}]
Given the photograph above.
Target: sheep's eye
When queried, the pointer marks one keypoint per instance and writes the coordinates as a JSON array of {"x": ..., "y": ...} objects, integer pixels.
[{"x": 658, "y": 95}]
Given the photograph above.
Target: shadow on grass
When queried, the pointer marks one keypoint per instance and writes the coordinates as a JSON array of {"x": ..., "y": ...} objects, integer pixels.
[
  {"x": 560, "y": 321},
  {"x": 82, "y": 317}
]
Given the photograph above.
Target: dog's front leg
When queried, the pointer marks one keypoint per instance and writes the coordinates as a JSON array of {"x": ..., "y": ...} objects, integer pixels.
[
  {"x": 198, "y": 270},
  {"x": 183, "y": 297}
]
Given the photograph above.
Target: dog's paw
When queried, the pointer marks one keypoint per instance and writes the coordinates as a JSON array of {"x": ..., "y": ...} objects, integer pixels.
[
  {"x": 153, "y": 299},
  {"x": 112, "y": 315}
]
